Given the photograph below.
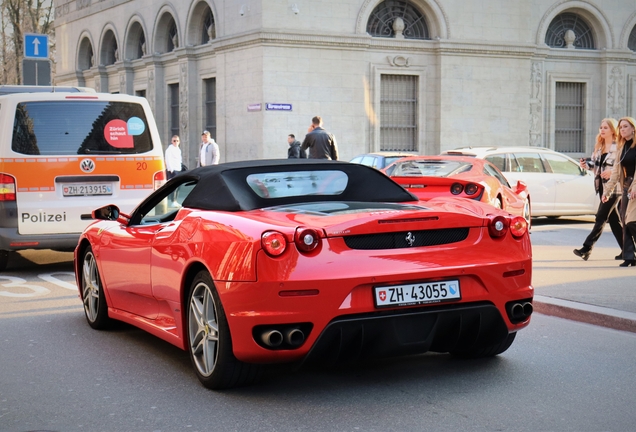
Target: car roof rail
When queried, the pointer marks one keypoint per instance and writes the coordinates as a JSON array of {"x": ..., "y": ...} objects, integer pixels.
[{"x": 12, "y": 89}]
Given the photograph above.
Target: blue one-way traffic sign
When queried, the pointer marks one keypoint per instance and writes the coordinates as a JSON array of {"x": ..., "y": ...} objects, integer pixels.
[{"x": 36, "y": 46}]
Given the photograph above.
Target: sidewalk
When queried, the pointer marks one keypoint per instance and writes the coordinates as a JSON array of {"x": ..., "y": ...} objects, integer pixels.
[{"x": 596, "y": 291}]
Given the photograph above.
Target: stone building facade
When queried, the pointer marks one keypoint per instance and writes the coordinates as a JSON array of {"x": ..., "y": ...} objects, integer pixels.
[{"x": 414, "y": 75}]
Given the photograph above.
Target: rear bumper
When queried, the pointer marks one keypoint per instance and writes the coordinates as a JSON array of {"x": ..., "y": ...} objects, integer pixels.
[
  {"x": 449, "y": 328},
  {"x": 11, "y": 240}
]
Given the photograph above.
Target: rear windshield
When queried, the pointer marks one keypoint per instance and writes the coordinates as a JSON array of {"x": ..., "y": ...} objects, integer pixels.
[
  {"x": 430, "y": 168},
  {"x": 80, "y": 127},
  {"x": 298, "y": 183}
]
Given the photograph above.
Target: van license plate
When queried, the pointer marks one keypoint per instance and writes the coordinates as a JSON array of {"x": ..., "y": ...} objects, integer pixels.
[
  {"x": 418, "y": 293},
  {"x": 88, "y": 189}
]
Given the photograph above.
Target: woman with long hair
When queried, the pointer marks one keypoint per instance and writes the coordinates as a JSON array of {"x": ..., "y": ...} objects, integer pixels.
[
  {"x": 602, "y": 163},
  {"x": 623, "y": 174}
]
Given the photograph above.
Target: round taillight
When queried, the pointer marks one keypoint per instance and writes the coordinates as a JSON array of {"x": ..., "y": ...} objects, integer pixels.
[
  {"x": 306, "y": 239},
  {"x": 457, "y": 188},
  {"x": 518, "y": 226},
  {"x": 274, "y": 243},
  {"x": 498, "y": 226},
  {"x": 471, "y": 189}
]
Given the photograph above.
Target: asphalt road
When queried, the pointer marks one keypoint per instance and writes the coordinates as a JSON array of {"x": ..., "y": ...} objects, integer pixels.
[{"x": 58, "y": 374}]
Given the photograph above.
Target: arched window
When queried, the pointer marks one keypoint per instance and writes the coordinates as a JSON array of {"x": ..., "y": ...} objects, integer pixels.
[
  {"x": 397, "y": 19},
  {"x": 631, "y": 42},
  {"x": 136, "y": 44},
  {"x": 141, "y": 45},
  {"x": 86, "y": 58},
  {"x": 173, "y": 37},
  {"x": 109, "y": 53},
  {"x": 570, "y": 30},
  {"x": 208, "y": 32}
]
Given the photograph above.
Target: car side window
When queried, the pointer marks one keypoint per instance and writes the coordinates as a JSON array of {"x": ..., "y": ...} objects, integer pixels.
[
  {"x": 562, "y": 165},
  {"x": 491, "y": 171},
  {"x": 357, "y": 160},
  {"x": 368, "y": 161},
  {"x": 498, "y": 161},
  {"x": 529, "y": 162},
  {"x": 166, "y": 207}
]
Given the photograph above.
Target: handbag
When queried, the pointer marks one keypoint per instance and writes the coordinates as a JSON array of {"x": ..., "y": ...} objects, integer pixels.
[{"x": 183, "y": 167}]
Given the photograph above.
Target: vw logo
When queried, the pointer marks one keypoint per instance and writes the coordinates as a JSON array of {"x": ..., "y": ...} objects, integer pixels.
[
  {"x": 410, "y": 239},
  {"x": 87, "y": 165}
]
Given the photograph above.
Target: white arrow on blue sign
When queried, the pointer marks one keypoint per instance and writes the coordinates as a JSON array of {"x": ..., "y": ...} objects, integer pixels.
[{"x": 36, "y": 46}]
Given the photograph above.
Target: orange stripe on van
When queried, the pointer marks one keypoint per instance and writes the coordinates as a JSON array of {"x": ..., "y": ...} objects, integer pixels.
[{"x": 39, "y": 173}]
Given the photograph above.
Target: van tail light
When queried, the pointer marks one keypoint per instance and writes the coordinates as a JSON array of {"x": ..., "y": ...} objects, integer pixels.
[
  {"x": 274, "y": 243},
  {"x": 498, "y": 226},
  {"x": 7, "y": 187},
  {"x": 518, "y": 226},
  {"x": 159, "y": 179},
  {"x": 306, "y": 239}
]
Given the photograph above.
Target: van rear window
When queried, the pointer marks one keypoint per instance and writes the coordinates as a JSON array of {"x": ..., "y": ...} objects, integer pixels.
[{"x": 80, "y": 127}]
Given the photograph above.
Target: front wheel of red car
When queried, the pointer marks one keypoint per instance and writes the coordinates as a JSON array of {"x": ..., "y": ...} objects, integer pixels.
[
  {"x": 488, "y": 351},
  {"x": 210, "y": 342},
  {"x": 95, "y": 307}
]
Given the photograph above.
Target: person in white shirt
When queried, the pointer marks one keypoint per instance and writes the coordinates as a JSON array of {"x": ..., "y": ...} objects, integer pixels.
[
  {"x": 209, "y": 150},
  {"x": 173, "y": 158}
]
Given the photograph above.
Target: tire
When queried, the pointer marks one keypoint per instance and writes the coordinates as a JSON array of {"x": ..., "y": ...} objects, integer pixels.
[
  {"x": 95, "y": 307},
  {"x": 4, "y": 259},
  {"x": 488, "y": 351},
  {"x": 210, "y": 341}
]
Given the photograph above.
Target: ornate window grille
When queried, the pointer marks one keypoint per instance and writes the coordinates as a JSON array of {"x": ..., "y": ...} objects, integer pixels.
[
  {"x": 398, "y": 112},
  {"x": 210, "y": 106},
  {"x": 569, "y": 129},
  {"x": 558, "y": 35},
  {"x": 174, "y": 109},
  {"x": 382, "y": 19},
  {"x": 631, "y": 42}
]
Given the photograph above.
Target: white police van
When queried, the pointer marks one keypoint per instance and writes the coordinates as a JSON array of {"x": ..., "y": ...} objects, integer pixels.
[{"x": 65, "y": 151}]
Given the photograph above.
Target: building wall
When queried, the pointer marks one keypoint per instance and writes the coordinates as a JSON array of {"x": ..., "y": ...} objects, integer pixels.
[{"x": 485, "y": 77}]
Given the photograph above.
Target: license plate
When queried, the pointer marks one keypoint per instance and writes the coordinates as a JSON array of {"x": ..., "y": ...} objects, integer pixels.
[
  {"x": 418, "y": 293},
  {"x": 87, "y": 189}
]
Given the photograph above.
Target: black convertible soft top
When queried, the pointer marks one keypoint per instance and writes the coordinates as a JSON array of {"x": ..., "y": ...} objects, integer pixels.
[{"x": 225, "y": 186}]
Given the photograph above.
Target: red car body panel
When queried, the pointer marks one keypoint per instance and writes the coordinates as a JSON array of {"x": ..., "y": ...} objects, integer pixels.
[
  {"x": 146, "y": 270},
  {"x": 513, "y": 200}
]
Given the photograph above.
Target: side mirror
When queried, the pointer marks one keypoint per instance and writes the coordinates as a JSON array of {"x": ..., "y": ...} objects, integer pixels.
[
  {"x": 110, "y": 212},
  {"x": 521, "y": 187}
]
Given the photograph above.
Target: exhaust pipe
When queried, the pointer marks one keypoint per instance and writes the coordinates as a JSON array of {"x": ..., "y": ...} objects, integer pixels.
[
  {"x": 517, "y": 311},
  {"x": 294, "y": 337},
  {"x": 527, "y": 309},
  {"x": 272, "y": 338}
]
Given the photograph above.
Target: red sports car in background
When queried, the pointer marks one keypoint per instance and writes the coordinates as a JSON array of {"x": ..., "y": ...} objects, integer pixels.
[
  {"x": 462, "y": 176},
  {"x": 306, "y": 262}
]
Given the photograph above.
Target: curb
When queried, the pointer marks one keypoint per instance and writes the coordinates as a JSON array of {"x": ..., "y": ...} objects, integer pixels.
[{"x": 582, "y": 312}]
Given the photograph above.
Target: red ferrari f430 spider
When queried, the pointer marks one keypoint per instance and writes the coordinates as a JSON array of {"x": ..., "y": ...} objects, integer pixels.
[{"x": 305, "y": 262}]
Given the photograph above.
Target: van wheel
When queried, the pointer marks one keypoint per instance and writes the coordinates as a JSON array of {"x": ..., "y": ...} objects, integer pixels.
[{"x": 4, "y": 259}]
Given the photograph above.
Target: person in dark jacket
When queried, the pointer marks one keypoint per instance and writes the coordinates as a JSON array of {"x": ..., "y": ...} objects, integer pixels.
[
  {"x": 294, "y": 151},
  {"x": 321, "y": 144}
]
